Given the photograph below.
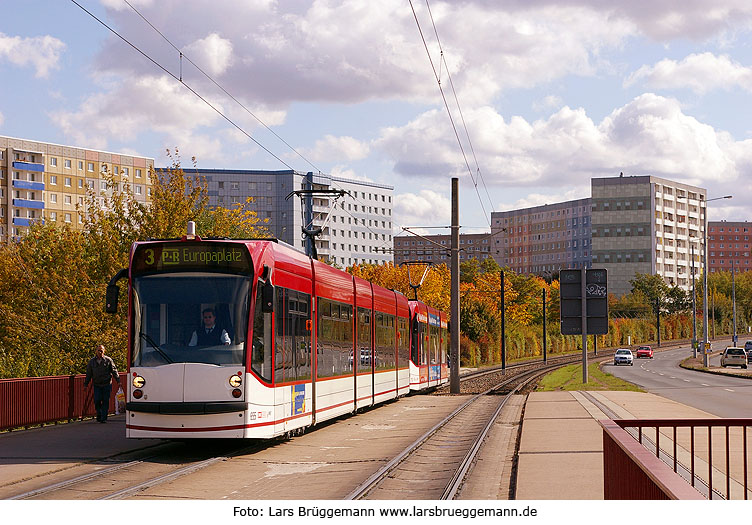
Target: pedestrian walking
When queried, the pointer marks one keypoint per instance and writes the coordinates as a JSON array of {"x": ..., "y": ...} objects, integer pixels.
[{"x": 100, "y": 371}]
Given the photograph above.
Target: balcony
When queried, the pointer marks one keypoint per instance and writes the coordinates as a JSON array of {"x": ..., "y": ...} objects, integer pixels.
[
  {"x": 28, "y": 166},
  {"x": 22, "y": 221},
  {"x": 28, "y": 185},
  {"x": 26, "y": 203}
]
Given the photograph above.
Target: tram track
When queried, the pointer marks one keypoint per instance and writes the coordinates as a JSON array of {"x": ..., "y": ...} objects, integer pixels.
[
  {"x": 129, "y": 478},
  {"x": 436, "y": 464}
]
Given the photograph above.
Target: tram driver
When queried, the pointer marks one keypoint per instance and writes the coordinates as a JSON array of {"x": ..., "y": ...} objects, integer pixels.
[{"x": 210, "y": 334}]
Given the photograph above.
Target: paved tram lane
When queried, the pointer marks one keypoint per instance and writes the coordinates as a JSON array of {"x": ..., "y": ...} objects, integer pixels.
[{"x": 721, "y": 395}]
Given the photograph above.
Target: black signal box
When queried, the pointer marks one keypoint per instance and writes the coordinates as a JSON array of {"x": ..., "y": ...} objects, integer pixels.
[{"x": 570, "y": 296}]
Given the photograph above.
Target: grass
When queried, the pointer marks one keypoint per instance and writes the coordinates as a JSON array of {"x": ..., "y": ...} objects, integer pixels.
[{"x": 570, "y": 378}]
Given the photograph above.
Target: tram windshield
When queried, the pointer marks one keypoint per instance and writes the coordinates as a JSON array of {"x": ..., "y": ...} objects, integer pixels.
[{"x": 191, "y": 317}]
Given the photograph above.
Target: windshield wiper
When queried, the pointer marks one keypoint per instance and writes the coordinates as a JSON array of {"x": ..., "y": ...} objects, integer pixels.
[{"x": 156, "y": 347}]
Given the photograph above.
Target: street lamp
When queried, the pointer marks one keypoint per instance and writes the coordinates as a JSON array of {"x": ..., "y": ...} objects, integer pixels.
[{"x": 705, "y": 279}]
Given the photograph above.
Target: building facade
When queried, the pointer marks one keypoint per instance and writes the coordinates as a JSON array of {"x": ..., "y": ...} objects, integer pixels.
[
  {"x": 436, "y": 249},
  {"x": 356, "y": 227},
  {"x": 649, "y": 225},
  {"x": 729, "y": 246},
  {"x": 542, "y": 240},
  {"x": 40, "y": 181}
]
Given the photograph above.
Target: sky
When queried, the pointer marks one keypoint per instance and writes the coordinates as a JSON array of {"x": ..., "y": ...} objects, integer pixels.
[{"x": 533, "y": 98}]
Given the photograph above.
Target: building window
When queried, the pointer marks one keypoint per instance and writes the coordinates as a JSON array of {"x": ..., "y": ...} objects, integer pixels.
[
  {"x": 53, "y": 197},
  {"x": 53, "y": 180},
  {"x": 67, "y": 164},
  {"x": 125, "y": 172},
  {"x": 68, "y": 181},
  {"x": 67, "y": 217},
  {"x": 89, "y": 167},
  {"x": 67, "y": 199},
  {"x": 53, "y": 161},
  {"x": 138, "y": 173}
]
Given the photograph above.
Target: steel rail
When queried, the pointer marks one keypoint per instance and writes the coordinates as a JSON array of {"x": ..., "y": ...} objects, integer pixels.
[{"x": 373, "y": 480}]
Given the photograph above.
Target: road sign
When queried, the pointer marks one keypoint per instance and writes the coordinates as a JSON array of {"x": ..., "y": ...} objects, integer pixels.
[{"x": 570, "y": 296}]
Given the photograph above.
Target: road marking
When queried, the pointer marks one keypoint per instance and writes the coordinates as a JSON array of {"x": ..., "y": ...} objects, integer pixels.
[
  {"x": 686, "y": 380},
  {"x": 728, "y": 390},
  {"x": 672, "y": 377},
  {"x": 660, "y": 374},
  {"x": 704, "y": 384}
]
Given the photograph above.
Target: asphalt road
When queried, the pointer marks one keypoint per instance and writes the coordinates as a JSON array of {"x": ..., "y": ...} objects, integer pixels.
[{"x": 719, "y": 395}]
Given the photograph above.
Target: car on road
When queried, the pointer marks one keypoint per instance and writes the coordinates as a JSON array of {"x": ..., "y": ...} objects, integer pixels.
[
  {"x": 623, "y": 356},
  {"x": 734, "y": 356},
  {"x": 748, "y": 349},
  {"x": 644, "y": 351}
]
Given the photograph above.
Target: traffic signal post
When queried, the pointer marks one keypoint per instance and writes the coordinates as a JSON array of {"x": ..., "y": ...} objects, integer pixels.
[{"x": 584, "y": 306}]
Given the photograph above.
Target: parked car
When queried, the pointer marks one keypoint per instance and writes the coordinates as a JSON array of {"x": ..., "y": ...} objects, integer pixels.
[
  {"x": 748, "y": 349},
  {"x": 623, "y": 356},
  {"x": 644, "y": 351},
  {"x": 734, "y": 356}
]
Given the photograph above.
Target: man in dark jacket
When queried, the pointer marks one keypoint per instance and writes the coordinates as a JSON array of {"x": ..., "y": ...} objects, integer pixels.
[{"x": 100, "y": 371}]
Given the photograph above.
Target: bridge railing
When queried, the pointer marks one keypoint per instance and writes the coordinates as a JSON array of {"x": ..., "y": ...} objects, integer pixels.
[
  {"x": 676, "y": 458},
  {"x": 32, "y": 401}
]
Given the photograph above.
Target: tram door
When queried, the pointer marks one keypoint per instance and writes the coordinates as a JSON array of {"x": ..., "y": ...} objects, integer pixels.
[{"x": 292, "y": 355}]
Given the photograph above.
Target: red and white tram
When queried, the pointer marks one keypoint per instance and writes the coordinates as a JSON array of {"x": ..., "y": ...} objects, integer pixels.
[{"x": 253, "y": 339}]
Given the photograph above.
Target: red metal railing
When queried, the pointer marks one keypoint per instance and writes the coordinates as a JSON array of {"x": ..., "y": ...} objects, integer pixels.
[
  {"x": 716, "y": 468},
  {"x": 35, "y": 400}
]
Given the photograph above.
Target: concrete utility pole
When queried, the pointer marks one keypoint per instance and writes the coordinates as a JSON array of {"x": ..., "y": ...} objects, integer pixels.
[
  {"x": 733, "y": 295},
  {"x": 694, "y": 307},
  {"x": 503, "y": 326},
  {"x": 454, "y": 380},
  {"x": 544, "y": 326}
]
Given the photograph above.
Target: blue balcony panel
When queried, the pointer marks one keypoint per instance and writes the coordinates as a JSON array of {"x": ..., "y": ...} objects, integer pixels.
[
  {"x": 28, "y": 166},
  {"x": 28, "y": 185},
  {"x": 26, "y": 203}
]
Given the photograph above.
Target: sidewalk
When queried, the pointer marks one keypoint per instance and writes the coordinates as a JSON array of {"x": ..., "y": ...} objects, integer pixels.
[{"x": 561, "y": 447}]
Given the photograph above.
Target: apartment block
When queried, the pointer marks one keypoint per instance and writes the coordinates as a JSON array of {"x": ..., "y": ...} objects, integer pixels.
[
  {"x": 542, "y": 240},
  {"x": 436, "y": 249},
  {"x": 356, "y": 227},
  {"x": 646, "y": 224},
  {"x": 728, "y": 246},
  {"x": 41, "y": 181}
]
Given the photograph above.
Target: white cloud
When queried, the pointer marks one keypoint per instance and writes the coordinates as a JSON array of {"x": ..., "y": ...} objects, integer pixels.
[
  {"x": 336, "y": 149},
  {"x": 649, "y": 135},
  {"x": 42, "y": 52},
  {"x": 699, "y": 72},
  {"x": 548, "y": 102},
  {"x": 212, "y": 54},
  {"x": 539, "y": 199},
  {"x": 413, "y": 210},
  {"x": 347, "y": 173},
  {"x": 155, "y": 104}
]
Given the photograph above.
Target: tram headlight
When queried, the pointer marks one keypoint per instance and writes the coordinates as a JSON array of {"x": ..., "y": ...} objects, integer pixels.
[
  {"x": 139, "y": 381},
  {"x": 236, "y": 381}
]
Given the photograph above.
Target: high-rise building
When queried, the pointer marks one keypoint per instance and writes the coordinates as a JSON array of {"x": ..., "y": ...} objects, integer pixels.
[
  {"x": 40, "y": 181},
  {"x": 542, "y": 240},
  {"x": 729, "y": 246},
  {"x": 648, "y": 225},
  {"x": 436, "y": 249},
  {"x": 356, "y": 227}
]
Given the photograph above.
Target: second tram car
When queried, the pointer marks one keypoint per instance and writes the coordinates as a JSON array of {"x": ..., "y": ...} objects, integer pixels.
[{"x": 253, "y": 339}]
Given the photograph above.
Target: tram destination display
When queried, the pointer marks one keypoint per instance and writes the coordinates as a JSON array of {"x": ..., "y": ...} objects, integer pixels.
[{"x": 191, "y": 256}]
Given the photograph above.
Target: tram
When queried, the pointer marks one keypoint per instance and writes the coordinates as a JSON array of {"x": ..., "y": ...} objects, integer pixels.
[{"x": 253, "y": 339}]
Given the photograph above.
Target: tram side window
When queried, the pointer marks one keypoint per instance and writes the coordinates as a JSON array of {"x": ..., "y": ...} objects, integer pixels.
[
  {"x": 444, "y": 345},
  {"x": 335, "y": 338},
  {"x": 364, "y": 339},
  {"x": 434, "y": 337},
  {"x": 403, "y": 341},
  {"x": 385, "y": 341},
  {"x": 415, "y": 344},
  {"x": 261, "y": 357},
  {"x": 292, "y": 358}
]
